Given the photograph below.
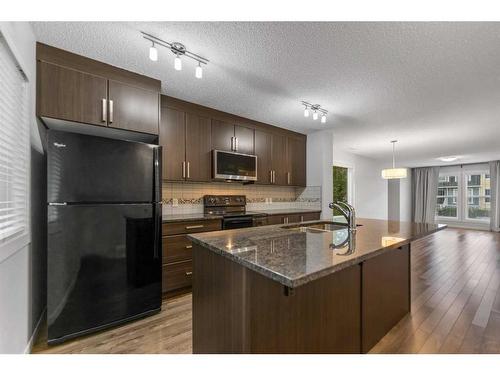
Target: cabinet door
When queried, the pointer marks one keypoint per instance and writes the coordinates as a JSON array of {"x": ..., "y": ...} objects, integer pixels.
[
  {"x": 132, "y": 108},
  {"x": 385, "y": 294},
  {"x": 245, "y": 139},
  {"x": 71, "y": 95},
  {"x": 279, "y": 160},
  {"x": 263, "y": 150},
  {"x": 198, "y": 148},
  {"x": 172, "y": 139},
  {"x": 222, "y": 132},
  {"x": 296, "y": 160}
]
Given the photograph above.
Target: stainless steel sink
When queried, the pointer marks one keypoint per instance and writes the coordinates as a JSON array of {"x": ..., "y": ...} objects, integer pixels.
[{"x": 317, "y": 226}]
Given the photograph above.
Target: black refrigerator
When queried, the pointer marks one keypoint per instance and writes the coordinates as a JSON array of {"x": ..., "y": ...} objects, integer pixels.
[{"x": 104, "y": 233}]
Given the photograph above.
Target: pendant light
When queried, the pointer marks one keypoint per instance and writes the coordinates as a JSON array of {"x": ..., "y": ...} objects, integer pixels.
[
  {"x": 394, "y": 173},
  {"x": 177, "y": 63},
  {"x": 315, "y": 115},
  {"x": 199, "y": 71},
  {"x": 306, "y": 112}
]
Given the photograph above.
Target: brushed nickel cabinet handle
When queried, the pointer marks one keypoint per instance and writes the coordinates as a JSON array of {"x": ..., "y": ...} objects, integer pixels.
[
  {"x": 195, "y": 226},
  {"x": 104, "y": 110},
  {"x": 189, "y": 246},
  {"x": 301, "y": 218},
  {"x": 274, "y": 176},
  {"x": 288, "y": 174},
  {"x": 183, "y": 169},
  {"x": 189, "y": 273},
  {"x": 232, "y": 143},
  {"x": 188, "y": 174},
  {"x": 111, "y": 111},
  {"x": 235, "y": 143}
]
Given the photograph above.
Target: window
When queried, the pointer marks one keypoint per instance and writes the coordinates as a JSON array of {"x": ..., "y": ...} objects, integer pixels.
[
  {"x": 447, "y": 196},
  {"x": 14, "y": 147},
  {"x": 478, "y": 196},
  {"x": 464, "y": 194},
  {"x": 342, "y": 185}
]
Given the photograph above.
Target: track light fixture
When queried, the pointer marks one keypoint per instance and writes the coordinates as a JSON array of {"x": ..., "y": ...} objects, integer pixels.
[
  {"x": 317, "y": 111},
  {"x": 178, "y": 49}
]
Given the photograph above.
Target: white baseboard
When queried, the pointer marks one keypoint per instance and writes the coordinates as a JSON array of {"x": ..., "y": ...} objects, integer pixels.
[{"x": 28, "y": 348}]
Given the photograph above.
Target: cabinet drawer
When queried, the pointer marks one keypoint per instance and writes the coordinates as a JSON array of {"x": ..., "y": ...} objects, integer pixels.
[
  {"x": 191, "y": 227},
  {"x": 176, "y": 248},
  {"x": 275, "y": 219},
  {"x": 310, "y": 216},
  {"x": 176, "y": 275}
]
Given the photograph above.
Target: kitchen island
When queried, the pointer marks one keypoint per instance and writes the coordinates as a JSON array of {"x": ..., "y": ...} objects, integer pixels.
[{"x": 287, "y": 289}]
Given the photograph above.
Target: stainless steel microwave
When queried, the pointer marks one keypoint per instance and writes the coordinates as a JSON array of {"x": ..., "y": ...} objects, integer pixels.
[{"x": 234, "y": 166}]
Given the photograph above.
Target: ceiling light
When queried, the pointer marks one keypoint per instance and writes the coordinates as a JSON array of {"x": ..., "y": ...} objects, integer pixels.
[
  {"x": 178, "y": 49},
  {"x": 177, "y": 63},
  {"x": 153, "y": 53},
  {"x": 394, "y": 173},
  {"x": 448, "y": 158},
  {"x": 199, "y": 71},
  {"x": 317, "y": 111}
]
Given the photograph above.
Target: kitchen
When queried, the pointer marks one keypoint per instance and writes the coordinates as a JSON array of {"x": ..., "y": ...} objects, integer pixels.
[{"x": 168, "y": 219}]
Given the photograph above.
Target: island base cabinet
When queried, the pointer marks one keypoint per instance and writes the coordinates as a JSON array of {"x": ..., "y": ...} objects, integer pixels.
[
  {"x": 385, "y": 294},
  {"x": 236, "y": 310}
]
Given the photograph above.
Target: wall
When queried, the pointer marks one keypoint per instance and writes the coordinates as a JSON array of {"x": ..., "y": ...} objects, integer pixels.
[
  {"x": 393, "y": 200},
  {"x": 319, "y": 166},
  {"x": 22, "y": 275},
  {"x": 189, "y": 196},
  {"x": 405, "y": 198},
  {"x": 370, "y": 189}
]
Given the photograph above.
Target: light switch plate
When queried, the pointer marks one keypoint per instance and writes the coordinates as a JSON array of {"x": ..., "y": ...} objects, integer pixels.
[{"x": 175, "y": 202}]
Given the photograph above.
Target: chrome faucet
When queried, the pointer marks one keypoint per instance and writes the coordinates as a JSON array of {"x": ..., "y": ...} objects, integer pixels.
[{"x": 347, "y": 211}]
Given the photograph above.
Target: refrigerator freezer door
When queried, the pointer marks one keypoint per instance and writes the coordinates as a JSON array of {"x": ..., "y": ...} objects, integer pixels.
[
  {"x": 104, "y": 266},
  {"x": 84, "y": 168}
]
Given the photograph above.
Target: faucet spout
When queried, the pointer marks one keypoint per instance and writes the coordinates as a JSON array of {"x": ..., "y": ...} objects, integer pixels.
[{"x": 347, "y": 211}]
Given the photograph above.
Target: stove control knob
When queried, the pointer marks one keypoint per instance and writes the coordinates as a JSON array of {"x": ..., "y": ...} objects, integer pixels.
[{"x": 212, "y": 200}]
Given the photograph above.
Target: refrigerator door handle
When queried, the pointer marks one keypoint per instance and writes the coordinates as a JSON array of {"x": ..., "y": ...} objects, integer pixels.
[
  {"x": 157, "y": 151},
  {"x": 157, "y": 230}
]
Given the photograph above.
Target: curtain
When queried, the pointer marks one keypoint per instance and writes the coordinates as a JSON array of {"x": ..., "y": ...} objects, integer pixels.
[
  {"x": 424, "y": 194},
  {"x": 495, "y": 195}
]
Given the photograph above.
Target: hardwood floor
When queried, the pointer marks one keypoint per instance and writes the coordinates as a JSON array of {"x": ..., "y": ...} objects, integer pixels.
[{"x": 455, "y": 306}]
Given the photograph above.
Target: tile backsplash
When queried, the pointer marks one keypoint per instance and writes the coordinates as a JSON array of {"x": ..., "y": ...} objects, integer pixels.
[{"x": 184, "y": 197}]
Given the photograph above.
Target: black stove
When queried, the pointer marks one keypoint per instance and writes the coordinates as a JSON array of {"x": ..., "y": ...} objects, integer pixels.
[{"x": 232, "y": 208}]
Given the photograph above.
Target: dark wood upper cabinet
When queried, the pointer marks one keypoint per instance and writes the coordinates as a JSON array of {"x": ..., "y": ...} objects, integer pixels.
[
  {"x": 222, "y": 135},
  {"x": 77, "y": 89},
  {"x": 279, "y": 160},
  {"x": 263, "y": 150},
  {"x": 133, "y": 108},
  {"x": 186, "y": 141},
  {"x": 172, "y": 139},
  {"x": 71, "y": 95},
  {"x": 229, "y": 137},
  {"x": 296, "y": 158},
  {"x": 244, "y": 139},
  {"x": 198, "y": 148}
]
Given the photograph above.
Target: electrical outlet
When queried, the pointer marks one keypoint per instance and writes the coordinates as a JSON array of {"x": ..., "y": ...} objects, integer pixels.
[
  {"x": 175, "y": 202},
  {"x": 270, "y": 200}
]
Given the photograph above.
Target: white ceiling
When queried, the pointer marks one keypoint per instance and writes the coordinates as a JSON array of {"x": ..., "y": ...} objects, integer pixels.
[{"x": 433, "y": 86}]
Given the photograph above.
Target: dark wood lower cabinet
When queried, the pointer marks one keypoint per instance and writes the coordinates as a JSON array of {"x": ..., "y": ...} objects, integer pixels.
[
  {"x": 236, "y": 310},
  {"x": 177, "y": 252},
  {"x": 385, "y": 294},
  {"x": 292, "y": 218}
]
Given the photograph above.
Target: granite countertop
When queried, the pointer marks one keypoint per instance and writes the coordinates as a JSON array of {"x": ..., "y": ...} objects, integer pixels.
[
  {"x": 187, "y": 217},
  {"x": 285, "y": 211},
  {"x": 172, "y": 218},
  {"x": 294, "y": 258}
]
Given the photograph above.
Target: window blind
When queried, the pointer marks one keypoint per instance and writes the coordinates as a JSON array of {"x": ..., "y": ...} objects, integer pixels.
[{"x": 14, "y": 147}]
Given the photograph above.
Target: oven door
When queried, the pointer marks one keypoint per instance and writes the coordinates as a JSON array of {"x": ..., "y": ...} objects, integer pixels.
[
  {"x": 237, "y": 222},
  {"x": 234, "y": 166}
]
